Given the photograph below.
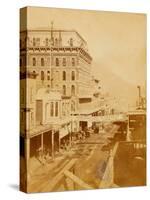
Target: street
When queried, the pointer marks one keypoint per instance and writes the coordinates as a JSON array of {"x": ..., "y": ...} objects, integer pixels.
[{"x": 90, "y": 165}]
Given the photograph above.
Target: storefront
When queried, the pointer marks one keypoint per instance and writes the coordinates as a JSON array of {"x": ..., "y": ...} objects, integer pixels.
[{"x": 35, "y": 145}]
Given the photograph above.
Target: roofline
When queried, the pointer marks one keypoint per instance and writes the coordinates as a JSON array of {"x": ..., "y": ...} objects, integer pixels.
[{"x": 54, "y": 30}]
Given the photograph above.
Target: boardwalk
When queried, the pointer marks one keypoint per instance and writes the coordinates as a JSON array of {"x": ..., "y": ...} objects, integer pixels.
[{"x": 90, "y": 165}]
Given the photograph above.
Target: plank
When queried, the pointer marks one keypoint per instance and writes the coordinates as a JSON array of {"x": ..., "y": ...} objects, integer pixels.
[
  {"x": 58, "y": 178},
  {"x": 77, "y": 180}
]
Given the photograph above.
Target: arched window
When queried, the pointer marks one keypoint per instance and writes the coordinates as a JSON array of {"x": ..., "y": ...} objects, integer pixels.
[
  {"x": 56, "y": 109},
  {"x": 73, "y": 75},
  {"x": 51, "y": 109},
  {"x": 34, "y": 73},
  {"x": 73, "y": 61},
  {"x": 57, "y": 62},
  {"x": 34, "y": 61},
  {"x": 64, "y": 90},
  {"x": 64, "y": 75},
  {"x": 64, "y": 61},
  {"x": 42, "y": 62},
  {"x": 48, "y": 75},
  {"x": 73, "y": 90},
  {"x": 42, "y": 75}
]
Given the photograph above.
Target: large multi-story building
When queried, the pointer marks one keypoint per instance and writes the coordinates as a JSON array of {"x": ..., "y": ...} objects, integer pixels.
[
  {"x": 55, "y": 90},
  {"x": 61, "y": 60}
]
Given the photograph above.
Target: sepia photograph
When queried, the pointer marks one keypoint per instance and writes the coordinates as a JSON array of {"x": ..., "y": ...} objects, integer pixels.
[{"x": 82, "y": 99}]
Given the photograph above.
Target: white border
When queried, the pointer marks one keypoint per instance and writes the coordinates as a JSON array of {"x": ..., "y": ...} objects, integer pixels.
[{"x": 9, "y": 98}]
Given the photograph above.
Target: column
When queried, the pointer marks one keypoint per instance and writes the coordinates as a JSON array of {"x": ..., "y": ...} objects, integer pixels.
[
  {"x": 42, "y": 149},
  {"x": 70, "y": 133},
  {"x": 128, "y": 137},
  {"x": 53, "y": 153},
  {"x": 69, "y": 139}
]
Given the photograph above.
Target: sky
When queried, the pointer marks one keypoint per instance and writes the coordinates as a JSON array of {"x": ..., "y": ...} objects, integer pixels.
[{"x": 116, "y": 42}]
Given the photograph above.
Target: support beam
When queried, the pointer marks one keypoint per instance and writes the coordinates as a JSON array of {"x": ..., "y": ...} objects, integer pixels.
[
  {"x": 77, "y": 180},
  {"x": 53, "y": 153},
  {"x": 55, "y": 182},
  {"x": 42, "y": 145}
]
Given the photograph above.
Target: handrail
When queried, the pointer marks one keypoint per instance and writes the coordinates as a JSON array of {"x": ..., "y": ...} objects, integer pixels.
[{"x": 107, "y": 179}]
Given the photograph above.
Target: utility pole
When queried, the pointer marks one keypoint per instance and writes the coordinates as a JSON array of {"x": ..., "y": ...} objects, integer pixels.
[{"x": 139, "y": 90}]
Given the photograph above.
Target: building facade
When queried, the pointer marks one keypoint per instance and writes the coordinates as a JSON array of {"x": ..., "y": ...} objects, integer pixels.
[
  {"x": 55, "y": 72},
  {"x": 61, "y": 60}
]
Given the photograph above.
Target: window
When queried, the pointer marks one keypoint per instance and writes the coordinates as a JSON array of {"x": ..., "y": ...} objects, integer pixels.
[
  {"x": 64, "y": 90},
  {"x": 34, "y": 42},
  {"x": 71, "y": 42},
  {"x": 56, "y": 42},
  {"x": 42, "y": 75},
  {"x": 34, "y": 61},
  {"x": 42, "y": 62},
  {"x": 48, "y": 61},
  {"x": 68, "y": 108},
  {"x": 72, "y": 90},
  {"x": 52, "y": 41},
  {"x": 38, "y": 41},
  {"x": 46, "y": 110},
  {"x": 52, "y": 109},
  {"x": 56, "y": 109},
  {"x": 73, "y": 106},
  {"x": 72, "y": 75},
  {"x": 48, "y": 75},
  {"x": 46, "y": 41},
  {"x": 64, "y": 61},
  {"x": 73, "y": 61},
  {"x": 57, "y": 62},
  {"x": 34, "y": 73},
  {"x": 63, "y": 109},
  {"x": 57, "y": 76},
  {"x": 64, "y": 75}
]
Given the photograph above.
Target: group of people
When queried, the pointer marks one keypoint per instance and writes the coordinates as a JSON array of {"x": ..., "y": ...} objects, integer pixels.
[{"x": 81, "y": 135}]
